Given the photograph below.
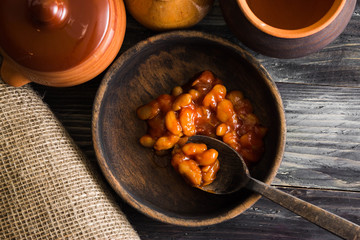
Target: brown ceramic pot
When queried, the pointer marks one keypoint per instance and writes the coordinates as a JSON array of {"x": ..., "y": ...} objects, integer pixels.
[
  {"x": 287, "y": 29},
  {"x": 59, "y": 42},
  {"x": 161, "y": 15}
]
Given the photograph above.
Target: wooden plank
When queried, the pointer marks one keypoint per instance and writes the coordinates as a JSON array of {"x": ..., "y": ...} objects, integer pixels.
[
  {"x": 265, "y": 220},
  {"x": 323, "y": 137}
]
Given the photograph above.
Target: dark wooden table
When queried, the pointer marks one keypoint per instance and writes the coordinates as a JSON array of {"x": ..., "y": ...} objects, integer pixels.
[{"x": 321, "y": 164}]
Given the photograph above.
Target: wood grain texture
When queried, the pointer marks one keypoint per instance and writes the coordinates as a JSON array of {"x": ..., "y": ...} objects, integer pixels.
[
  {"x": 331, "y": 222},
  {"x": 321, "y": 99},
  {"x": 264, "y": 221},
  {"x": 323, "y": 137}
]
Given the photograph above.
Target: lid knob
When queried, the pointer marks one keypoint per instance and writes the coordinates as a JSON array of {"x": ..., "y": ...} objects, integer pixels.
[{"x": 48, "y": 13}]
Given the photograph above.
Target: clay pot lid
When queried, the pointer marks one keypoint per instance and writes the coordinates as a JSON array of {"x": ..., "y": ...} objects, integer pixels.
[{"x": 52, "y": 35}]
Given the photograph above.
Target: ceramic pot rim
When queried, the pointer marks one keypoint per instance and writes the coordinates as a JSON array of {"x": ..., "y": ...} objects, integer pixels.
[{"x": 328, "y": 18}]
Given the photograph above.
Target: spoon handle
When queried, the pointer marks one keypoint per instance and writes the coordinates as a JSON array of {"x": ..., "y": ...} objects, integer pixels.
[{"x": 329, "y": 221}]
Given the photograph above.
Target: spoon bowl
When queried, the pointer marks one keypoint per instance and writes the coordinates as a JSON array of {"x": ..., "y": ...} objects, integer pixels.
[{"x": 234, "y": 175}]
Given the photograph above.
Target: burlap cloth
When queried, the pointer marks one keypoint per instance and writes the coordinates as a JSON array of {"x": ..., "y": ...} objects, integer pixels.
[{"x": 47, "y": 188}]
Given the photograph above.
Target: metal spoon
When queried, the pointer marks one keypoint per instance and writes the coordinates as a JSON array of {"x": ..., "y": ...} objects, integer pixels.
[{"x": 234, "y": 175}]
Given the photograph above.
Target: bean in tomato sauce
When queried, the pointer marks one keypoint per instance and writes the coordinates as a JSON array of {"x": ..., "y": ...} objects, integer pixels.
[{"x": 203, "y": 107}]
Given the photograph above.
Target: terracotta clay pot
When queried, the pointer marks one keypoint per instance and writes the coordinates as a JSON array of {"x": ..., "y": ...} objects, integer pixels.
[
  {"x": 161, "y": 15},
  {"x": 59, "y": 42},
  {"x": 287, "y": 29}
]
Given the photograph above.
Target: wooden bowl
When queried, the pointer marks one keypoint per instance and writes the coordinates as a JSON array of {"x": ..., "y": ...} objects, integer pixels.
[
  {"x": 153, "y": 67},
  {"x": 297, "y": 29}
]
